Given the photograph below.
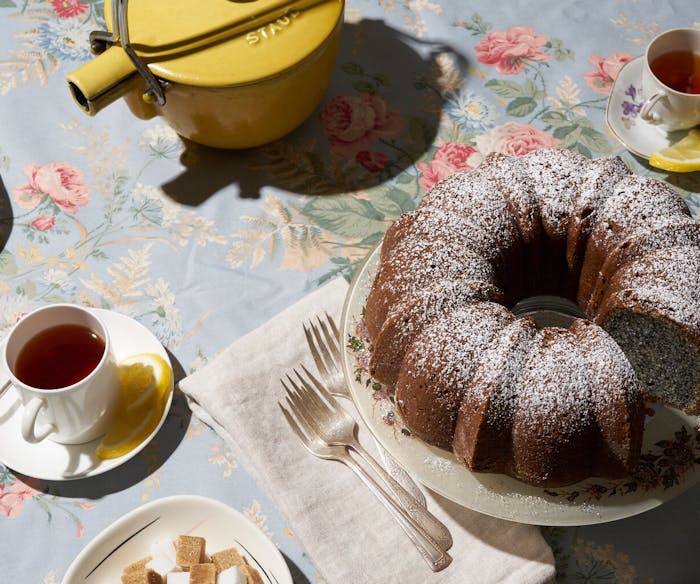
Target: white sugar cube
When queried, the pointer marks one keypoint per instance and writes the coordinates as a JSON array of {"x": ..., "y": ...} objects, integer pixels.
[
  {"x": 162, "y": 557},
  {"x": 232, "y": 575},
  {"x": 178, "y": 578}
]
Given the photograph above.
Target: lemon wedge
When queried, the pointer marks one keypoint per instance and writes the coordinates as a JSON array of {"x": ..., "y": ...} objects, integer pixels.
[
  {"x": 683, "y": 156},
  {"x": 146, "y": 380}
]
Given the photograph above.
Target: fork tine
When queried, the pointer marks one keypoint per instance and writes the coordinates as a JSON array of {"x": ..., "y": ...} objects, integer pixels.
[
  {"x": 312, "y": 399},
  {"x": 293, "y": 425},
  {"x": 300, "y": 403},
  {"x": 295, "y": 399},
  {"x": 331, "y": 322},
  {"x": 330, "y": 401},
  {"x": 315, "y": 353},
  {"x": 321, "y": 345},
  {"x": 332, "y": 339}
]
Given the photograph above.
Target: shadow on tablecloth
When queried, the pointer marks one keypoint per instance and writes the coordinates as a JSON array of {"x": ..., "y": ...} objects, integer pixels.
[
  {"x": 6, "y": 215},
  {"x": 374, "y": 59}
]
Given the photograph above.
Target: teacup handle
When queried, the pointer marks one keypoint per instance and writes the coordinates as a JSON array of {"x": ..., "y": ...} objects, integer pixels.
[
  {"x": 31, "y": 411},
  {"x": 646, "y": 114}
]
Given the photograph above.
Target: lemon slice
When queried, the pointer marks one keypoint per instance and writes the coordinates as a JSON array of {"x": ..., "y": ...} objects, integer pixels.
[
  {"x": 683, "y": 156},
  {"x": 146, "y": 380}
]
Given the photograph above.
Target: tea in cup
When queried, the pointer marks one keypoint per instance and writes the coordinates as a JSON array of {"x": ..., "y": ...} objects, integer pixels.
[
  {"x": 671, "y": 80},
  {"x": 60, "y": 361}
]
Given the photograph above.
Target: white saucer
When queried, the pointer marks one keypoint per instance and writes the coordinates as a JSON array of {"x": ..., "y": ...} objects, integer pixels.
[
  {"x": 129, "y": 539},
  {"x": 51, "y": 461},
  {"x": 622, "y": 114}
]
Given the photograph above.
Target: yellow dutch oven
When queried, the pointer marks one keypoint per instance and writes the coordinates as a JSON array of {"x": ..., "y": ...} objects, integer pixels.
[{"x": 223, "y": 73}]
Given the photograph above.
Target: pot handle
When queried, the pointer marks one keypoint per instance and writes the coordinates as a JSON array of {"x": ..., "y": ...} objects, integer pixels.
[{"x": 100, "y": 40}]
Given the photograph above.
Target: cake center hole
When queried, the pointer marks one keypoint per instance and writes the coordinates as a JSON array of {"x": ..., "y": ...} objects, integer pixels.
[{"x": 549, "y": 310}]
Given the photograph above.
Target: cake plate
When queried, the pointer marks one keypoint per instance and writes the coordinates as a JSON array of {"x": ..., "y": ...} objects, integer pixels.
[{"x": 668, "y": 467}]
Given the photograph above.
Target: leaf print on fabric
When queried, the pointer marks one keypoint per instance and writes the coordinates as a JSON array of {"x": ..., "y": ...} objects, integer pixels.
[
  {"x": 161, "y": 141},
  {"x": 642, "y": 32},
  {"x": 595, "y": 563},
  {"x": 223, "y": 457},
  {"x": 568, "y": 93},
  {"x": 254, "y": 513},
  {"x": 346, "y": 216},
  {"x": 284, "y": 231},
  {"x": 106, "y": 161}
]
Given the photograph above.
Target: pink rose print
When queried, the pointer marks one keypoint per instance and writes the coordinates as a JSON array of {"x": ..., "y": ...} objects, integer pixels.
[
  {"x": 43, "y": 223},
  {"x": 12, "y": 500},
  {"x": 514, "y": 139},
  {"x": 68, "y": 8},
  {"x": 372, "y": 161},
  {"x": 353, "y": 123},
  {"x": 511, "y": 49},
  {"x": 449, "y": 158},
  {"x": 57, "y": 180},
  {"x": 601, "y": 80}
]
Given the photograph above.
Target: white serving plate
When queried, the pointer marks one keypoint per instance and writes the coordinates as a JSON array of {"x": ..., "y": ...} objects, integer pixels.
[{"x": 670, "y": 450}]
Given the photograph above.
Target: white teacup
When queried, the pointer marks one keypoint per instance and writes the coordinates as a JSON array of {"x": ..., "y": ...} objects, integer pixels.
[
  {"x": 671, "y": 108},
  {"x": 67, "y": 396}
]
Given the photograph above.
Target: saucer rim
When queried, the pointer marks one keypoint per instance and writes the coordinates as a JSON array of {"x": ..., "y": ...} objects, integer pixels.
[{"x": 112, "y": 319}]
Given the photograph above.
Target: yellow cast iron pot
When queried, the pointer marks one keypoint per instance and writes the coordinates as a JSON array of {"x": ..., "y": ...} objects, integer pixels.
[{"x": 223, "y": 73}]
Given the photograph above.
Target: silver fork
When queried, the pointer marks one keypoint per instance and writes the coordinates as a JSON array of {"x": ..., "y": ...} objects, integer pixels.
[
  {"x": 323, "y": 340},
  {"x": 336, "y": 427},
  {"x": 436, "y": 558}
]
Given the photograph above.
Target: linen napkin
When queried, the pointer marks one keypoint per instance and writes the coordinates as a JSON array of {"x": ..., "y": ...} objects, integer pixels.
[{"x": 347, "y": 533}]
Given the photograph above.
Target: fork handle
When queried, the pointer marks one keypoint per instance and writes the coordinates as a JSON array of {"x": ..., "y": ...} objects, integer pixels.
[
  {"x": 431, "y": 524},
  {"x": 431, "y": 552}
]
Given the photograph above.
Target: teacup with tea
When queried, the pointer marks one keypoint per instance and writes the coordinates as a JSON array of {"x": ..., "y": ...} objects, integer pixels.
[
  {"x": 60, "y": 361},
  {"x": 671, "y": 80}
]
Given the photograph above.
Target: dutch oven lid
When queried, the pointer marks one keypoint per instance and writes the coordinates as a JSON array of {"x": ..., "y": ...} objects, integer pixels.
[{"x": 214, "y": 43}]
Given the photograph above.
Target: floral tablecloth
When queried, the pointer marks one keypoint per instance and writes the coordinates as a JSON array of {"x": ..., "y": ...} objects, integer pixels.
[{"x": 202, "y": 246}]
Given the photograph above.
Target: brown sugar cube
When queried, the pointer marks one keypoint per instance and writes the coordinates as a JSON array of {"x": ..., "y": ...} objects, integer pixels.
[
  {"x": 226, "y": 559},
  {"x": 202, "y": 574},
  {"x": 142, "y": 576},
  {"x": 252, "y": 575},
  {"x": 189, "y": 550},
  {"x": 137, "y": 566}
]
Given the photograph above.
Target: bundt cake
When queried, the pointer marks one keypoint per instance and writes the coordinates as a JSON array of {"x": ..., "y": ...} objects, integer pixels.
[{"x": 547, "y": 405}]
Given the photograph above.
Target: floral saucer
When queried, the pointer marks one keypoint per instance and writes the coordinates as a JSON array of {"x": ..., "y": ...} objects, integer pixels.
[
  {"x": 52, "y": 461},
  {"x": 622, "y": 114},
  {"x": 669, "y": 465}
]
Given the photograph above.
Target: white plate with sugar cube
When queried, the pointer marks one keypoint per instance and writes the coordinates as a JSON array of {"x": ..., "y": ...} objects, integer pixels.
[{"x": 149, "y": 535}]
